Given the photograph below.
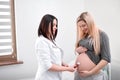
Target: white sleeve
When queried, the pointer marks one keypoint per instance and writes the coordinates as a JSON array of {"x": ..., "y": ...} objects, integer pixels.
[{"x": 43, "y": 54}]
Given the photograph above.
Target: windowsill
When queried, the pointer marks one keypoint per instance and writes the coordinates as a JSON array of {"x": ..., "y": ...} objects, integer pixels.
[{"x": 10, "y": 63}]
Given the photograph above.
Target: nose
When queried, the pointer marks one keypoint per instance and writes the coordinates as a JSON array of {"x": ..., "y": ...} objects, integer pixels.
[
  {"x": 83, "y": 28},
  {"x": 55, "y": 27}
]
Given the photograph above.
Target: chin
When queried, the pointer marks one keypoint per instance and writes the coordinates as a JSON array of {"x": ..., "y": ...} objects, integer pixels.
[{"x": 53, "y": 32}]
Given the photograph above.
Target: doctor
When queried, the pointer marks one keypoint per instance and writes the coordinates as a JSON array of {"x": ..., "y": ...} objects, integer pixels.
[{"x": 49, "y": 55}]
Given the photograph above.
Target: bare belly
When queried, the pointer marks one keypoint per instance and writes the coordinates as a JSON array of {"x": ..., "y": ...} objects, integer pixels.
[{"x": 85, "y": 62}]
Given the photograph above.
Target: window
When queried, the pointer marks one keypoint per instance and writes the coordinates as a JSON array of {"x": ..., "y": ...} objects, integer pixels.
[{"x": 8, "y": 51}]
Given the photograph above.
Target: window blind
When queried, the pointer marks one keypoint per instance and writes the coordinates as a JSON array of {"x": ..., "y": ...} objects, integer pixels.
[{"x": 5, "y": 28}]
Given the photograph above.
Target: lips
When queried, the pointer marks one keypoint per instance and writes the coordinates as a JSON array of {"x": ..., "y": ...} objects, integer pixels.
[{"x": 85, "y": 30}]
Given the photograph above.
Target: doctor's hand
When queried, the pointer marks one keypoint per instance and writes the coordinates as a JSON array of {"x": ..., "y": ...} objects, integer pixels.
[{"x": 71, "y": 69}]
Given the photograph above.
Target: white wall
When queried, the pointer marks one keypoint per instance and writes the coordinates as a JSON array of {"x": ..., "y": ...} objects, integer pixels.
[
  {"x": 28, "y": 16},
  {"x": 107, "y": 15}
]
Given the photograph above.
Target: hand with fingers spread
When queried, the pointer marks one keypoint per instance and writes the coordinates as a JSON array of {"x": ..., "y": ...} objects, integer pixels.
[
  {"x": 85, "y": 73},
  {"x": 81, "y": 49}
]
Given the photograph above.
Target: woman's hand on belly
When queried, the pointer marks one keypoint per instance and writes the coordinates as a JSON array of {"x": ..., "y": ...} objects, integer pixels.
[
  {"x": 81, "y": 49},
  {"x": 85, "y": 73}
]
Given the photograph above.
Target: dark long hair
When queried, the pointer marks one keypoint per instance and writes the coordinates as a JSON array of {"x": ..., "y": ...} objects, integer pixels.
[{"x": 44, "y": 26}]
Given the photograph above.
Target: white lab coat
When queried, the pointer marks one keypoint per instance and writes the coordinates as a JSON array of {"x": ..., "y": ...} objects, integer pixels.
[{"x": 47, "y": 54}]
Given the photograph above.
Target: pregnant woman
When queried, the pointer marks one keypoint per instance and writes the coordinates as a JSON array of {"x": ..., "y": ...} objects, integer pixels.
[{"x": 92, "y": 46}]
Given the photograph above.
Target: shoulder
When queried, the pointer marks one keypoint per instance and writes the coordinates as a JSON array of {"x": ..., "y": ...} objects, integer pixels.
[
  {"x": 103, "y": 34},
  {"x": 104, "y": 37},
  {"x": 41, "y": 40}
]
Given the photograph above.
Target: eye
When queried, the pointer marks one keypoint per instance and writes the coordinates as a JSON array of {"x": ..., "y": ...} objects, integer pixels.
[{"x": 83, "y": 25}]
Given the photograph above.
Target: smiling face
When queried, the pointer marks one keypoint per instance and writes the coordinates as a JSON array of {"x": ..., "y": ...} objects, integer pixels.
[
  {"x": 83, "y": 26},
  {"x": 54, "y": 28}
]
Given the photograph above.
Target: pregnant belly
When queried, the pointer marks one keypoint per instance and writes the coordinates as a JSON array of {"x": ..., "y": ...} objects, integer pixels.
[{"x": 85, "y": 62}]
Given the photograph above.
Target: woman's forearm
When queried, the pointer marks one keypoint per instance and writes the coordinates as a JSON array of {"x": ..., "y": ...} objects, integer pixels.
[
  {"x": 64, "y": 64},
  {"x": 99, "y": 66},
  {"x": 61, "y": 68}
]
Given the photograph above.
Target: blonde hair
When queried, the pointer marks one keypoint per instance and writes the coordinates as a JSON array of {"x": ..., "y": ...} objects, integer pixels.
[{"x": 93, "y": 31}]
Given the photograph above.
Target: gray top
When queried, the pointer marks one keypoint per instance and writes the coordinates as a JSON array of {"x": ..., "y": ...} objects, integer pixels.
[{"x": 104, "y": 50}]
